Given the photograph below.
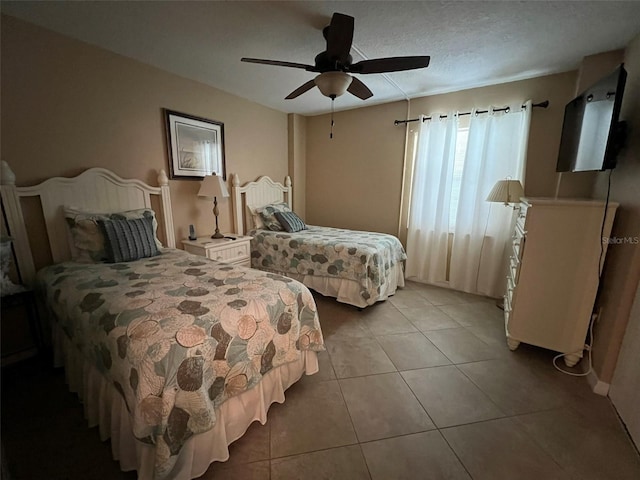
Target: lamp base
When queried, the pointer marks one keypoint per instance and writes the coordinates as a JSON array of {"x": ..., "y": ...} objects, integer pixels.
[{"x": 217, "y": 234}]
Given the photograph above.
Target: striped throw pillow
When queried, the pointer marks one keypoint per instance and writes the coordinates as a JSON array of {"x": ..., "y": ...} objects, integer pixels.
[
  {"x": 269, "y": 218},
  {"x": 290, "y": 221},
  {"x": 128, "y": 239}
]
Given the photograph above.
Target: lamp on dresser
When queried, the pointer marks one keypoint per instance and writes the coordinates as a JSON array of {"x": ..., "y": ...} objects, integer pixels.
[
  {"x": 506, "y": 191},
  {"x": 213, "y": 186}
]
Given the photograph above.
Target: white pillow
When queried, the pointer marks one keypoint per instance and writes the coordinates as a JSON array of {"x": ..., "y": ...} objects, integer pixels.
[{"x": 254, "y": 214}]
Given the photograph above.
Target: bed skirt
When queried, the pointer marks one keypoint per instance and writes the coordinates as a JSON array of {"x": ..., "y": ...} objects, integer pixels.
[
  {"x": 105, "y": 408},
  {"x": 345, "y": 290}
]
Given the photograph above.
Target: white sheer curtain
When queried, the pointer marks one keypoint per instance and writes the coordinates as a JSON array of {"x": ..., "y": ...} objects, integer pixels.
[
  {"x": 496, "y": 149},
  {"x": 428, "y": 226}
]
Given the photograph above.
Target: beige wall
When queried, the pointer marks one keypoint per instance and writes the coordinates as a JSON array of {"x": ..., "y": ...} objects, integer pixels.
[
  {"x": 354, "y": 180},
  {"x": 622, "y": 268},
  {"x": 67, "y": 106},
  {"x": 298, "y": 161}
]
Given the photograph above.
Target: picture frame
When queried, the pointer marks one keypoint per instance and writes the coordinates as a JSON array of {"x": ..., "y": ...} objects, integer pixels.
[{"x": 195, "y": 146}]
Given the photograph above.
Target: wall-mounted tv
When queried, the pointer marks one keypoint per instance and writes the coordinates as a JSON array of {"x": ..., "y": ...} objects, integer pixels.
[{"x": 591, "y": 133}]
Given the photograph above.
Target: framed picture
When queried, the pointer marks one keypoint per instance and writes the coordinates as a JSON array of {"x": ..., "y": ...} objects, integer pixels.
[{"x": 196, "y": 146}]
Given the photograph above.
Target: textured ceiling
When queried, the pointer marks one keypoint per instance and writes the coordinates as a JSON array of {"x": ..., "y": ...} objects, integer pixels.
[{"x": 471, "y": 44}]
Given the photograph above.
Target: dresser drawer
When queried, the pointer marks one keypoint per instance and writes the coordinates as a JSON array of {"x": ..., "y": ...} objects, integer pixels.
[
  {"x": 516, "y": 248},
  {"x": 507, "y": 302},
  {"x": 522, "y": 215},
  {"x": 511, "y": 286},
  {"x": 514, "y": 269},
  {"x": 517, "y": 244}
]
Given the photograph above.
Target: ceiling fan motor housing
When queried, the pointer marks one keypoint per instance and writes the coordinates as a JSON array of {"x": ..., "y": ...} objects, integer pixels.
[{"x": 324, "y": 63}]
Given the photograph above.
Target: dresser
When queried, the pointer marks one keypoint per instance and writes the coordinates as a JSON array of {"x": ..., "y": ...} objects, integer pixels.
[
  {"x": 555, "y": 259},
  {"x": 236, "y": 252}
]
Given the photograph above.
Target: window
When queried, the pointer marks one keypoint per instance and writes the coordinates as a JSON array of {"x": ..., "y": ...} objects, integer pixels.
[{"x": 458, "y": 164}]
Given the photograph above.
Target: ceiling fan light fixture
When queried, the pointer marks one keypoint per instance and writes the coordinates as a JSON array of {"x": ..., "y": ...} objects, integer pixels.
[{"x": 333, "y": 84}]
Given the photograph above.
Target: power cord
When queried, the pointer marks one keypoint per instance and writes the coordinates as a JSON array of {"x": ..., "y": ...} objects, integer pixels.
[{"x": 588, "y": 346}]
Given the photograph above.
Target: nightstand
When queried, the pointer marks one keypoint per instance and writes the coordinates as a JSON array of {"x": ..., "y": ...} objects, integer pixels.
[
  {"x": 235, "y": 252},
  {"x": 21, "y": 334}
]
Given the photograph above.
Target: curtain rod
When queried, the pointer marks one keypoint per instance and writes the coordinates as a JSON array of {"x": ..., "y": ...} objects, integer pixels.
[{"x": 544, "y": 104}]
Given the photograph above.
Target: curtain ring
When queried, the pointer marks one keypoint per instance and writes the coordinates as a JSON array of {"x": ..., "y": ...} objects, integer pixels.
[{"x": 507, "y": 110}]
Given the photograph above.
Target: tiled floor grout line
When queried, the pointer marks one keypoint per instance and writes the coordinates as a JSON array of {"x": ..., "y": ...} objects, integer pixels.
[
  {"x": 456, "y": 454},
  {"x": 323, "y": 449},
  {"x": 542, "y": 448},
  {"x": 365, "y": 460},
  {"x": 418, "y": 331},
  {"x": 344, "y": 401},
  {"x": 353, "y": 425}
]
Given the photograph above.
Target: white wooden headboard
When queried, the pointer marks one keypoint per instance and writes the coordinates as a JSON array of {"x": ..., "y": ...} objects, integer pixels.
[
  {"x": 96, "y": 189},
  {"x": 256, "y": 194}
]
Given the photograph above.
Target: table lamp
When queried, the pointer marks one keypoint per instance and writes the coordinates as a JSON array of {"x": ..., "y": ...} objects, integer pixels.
[
  {"x": 506, "y": 191},
  {"x": 213, "y": 186}
]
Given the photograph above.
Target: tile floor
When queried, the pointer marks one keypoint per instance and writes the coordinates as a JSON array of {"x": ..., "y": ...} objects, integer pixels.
[{"x": 419, "y": 387}]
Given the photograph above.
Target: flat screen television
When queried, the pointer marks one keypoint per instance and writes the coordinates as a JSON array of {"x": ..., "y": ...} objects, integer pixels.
[{"x": 591, "y": 132}]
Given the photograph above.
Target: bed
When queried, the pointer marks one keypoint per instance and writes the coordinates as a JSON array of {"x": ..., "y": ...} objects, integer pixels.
[
  {"x": 355, "y": 267},
  {"x": 173, "y": 355}
]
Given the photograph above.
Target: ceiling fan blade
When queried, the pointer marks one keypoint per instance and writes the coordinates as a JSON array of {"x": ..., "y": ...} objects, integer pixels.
[
  {"x": 339, "y": 37},
  {"x": 278, "y": 63},
  {"x": 300, "y": 90},
  {"x": 359, "y": 89},
  {"x": 390, "y": 64}
]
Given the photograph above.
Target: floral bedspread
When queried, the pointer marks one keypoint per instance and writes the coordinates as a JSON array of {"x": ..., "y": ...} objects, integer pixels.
[
  {"x": 365, "y": 257},
  {"x": 178, "y": 334}
]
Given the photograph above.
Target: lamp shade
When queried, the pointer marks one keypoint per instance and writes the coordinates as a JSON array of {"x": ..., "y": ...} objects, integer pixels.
[
  {"x": 213, "y": 186},
  {"x": 333, "y": 84},
  {"x": 506, "y": 191}
]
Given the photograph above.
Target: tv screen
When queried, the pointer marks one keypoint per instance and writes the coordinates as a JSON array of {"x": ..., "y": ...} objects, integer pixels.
[{"x": 590, "y": 132}]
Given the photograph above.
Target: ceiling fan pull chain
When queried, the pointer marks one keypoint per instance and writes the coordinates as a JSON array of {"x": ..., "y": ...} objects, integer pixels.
[{"x": 333, "y": 98}]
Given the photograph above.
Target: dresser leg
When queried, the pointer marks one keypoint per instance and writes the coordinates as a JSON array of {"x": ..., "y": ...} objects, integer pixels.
[
  {"x": 513, "y": 344},
  {"x": 571, "y": 359}
]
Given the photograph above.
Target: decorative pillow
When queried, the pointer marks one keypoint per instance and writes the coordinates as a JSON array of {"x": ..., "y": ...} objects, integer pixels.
[
  {"x": 140, "y": 213},
  {"x": 255, "y": 216},
  {"x": 128, "y": 239},
  {"x": 290, "y": 221},
  {"x": 268, "y": 215},
  {"x": 87, "y": 241}
]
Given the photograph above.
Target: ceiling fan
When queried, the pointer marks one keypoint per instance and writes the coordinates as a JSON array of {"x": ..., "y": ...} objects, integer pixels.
[{"x": 334, "y": 64}]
